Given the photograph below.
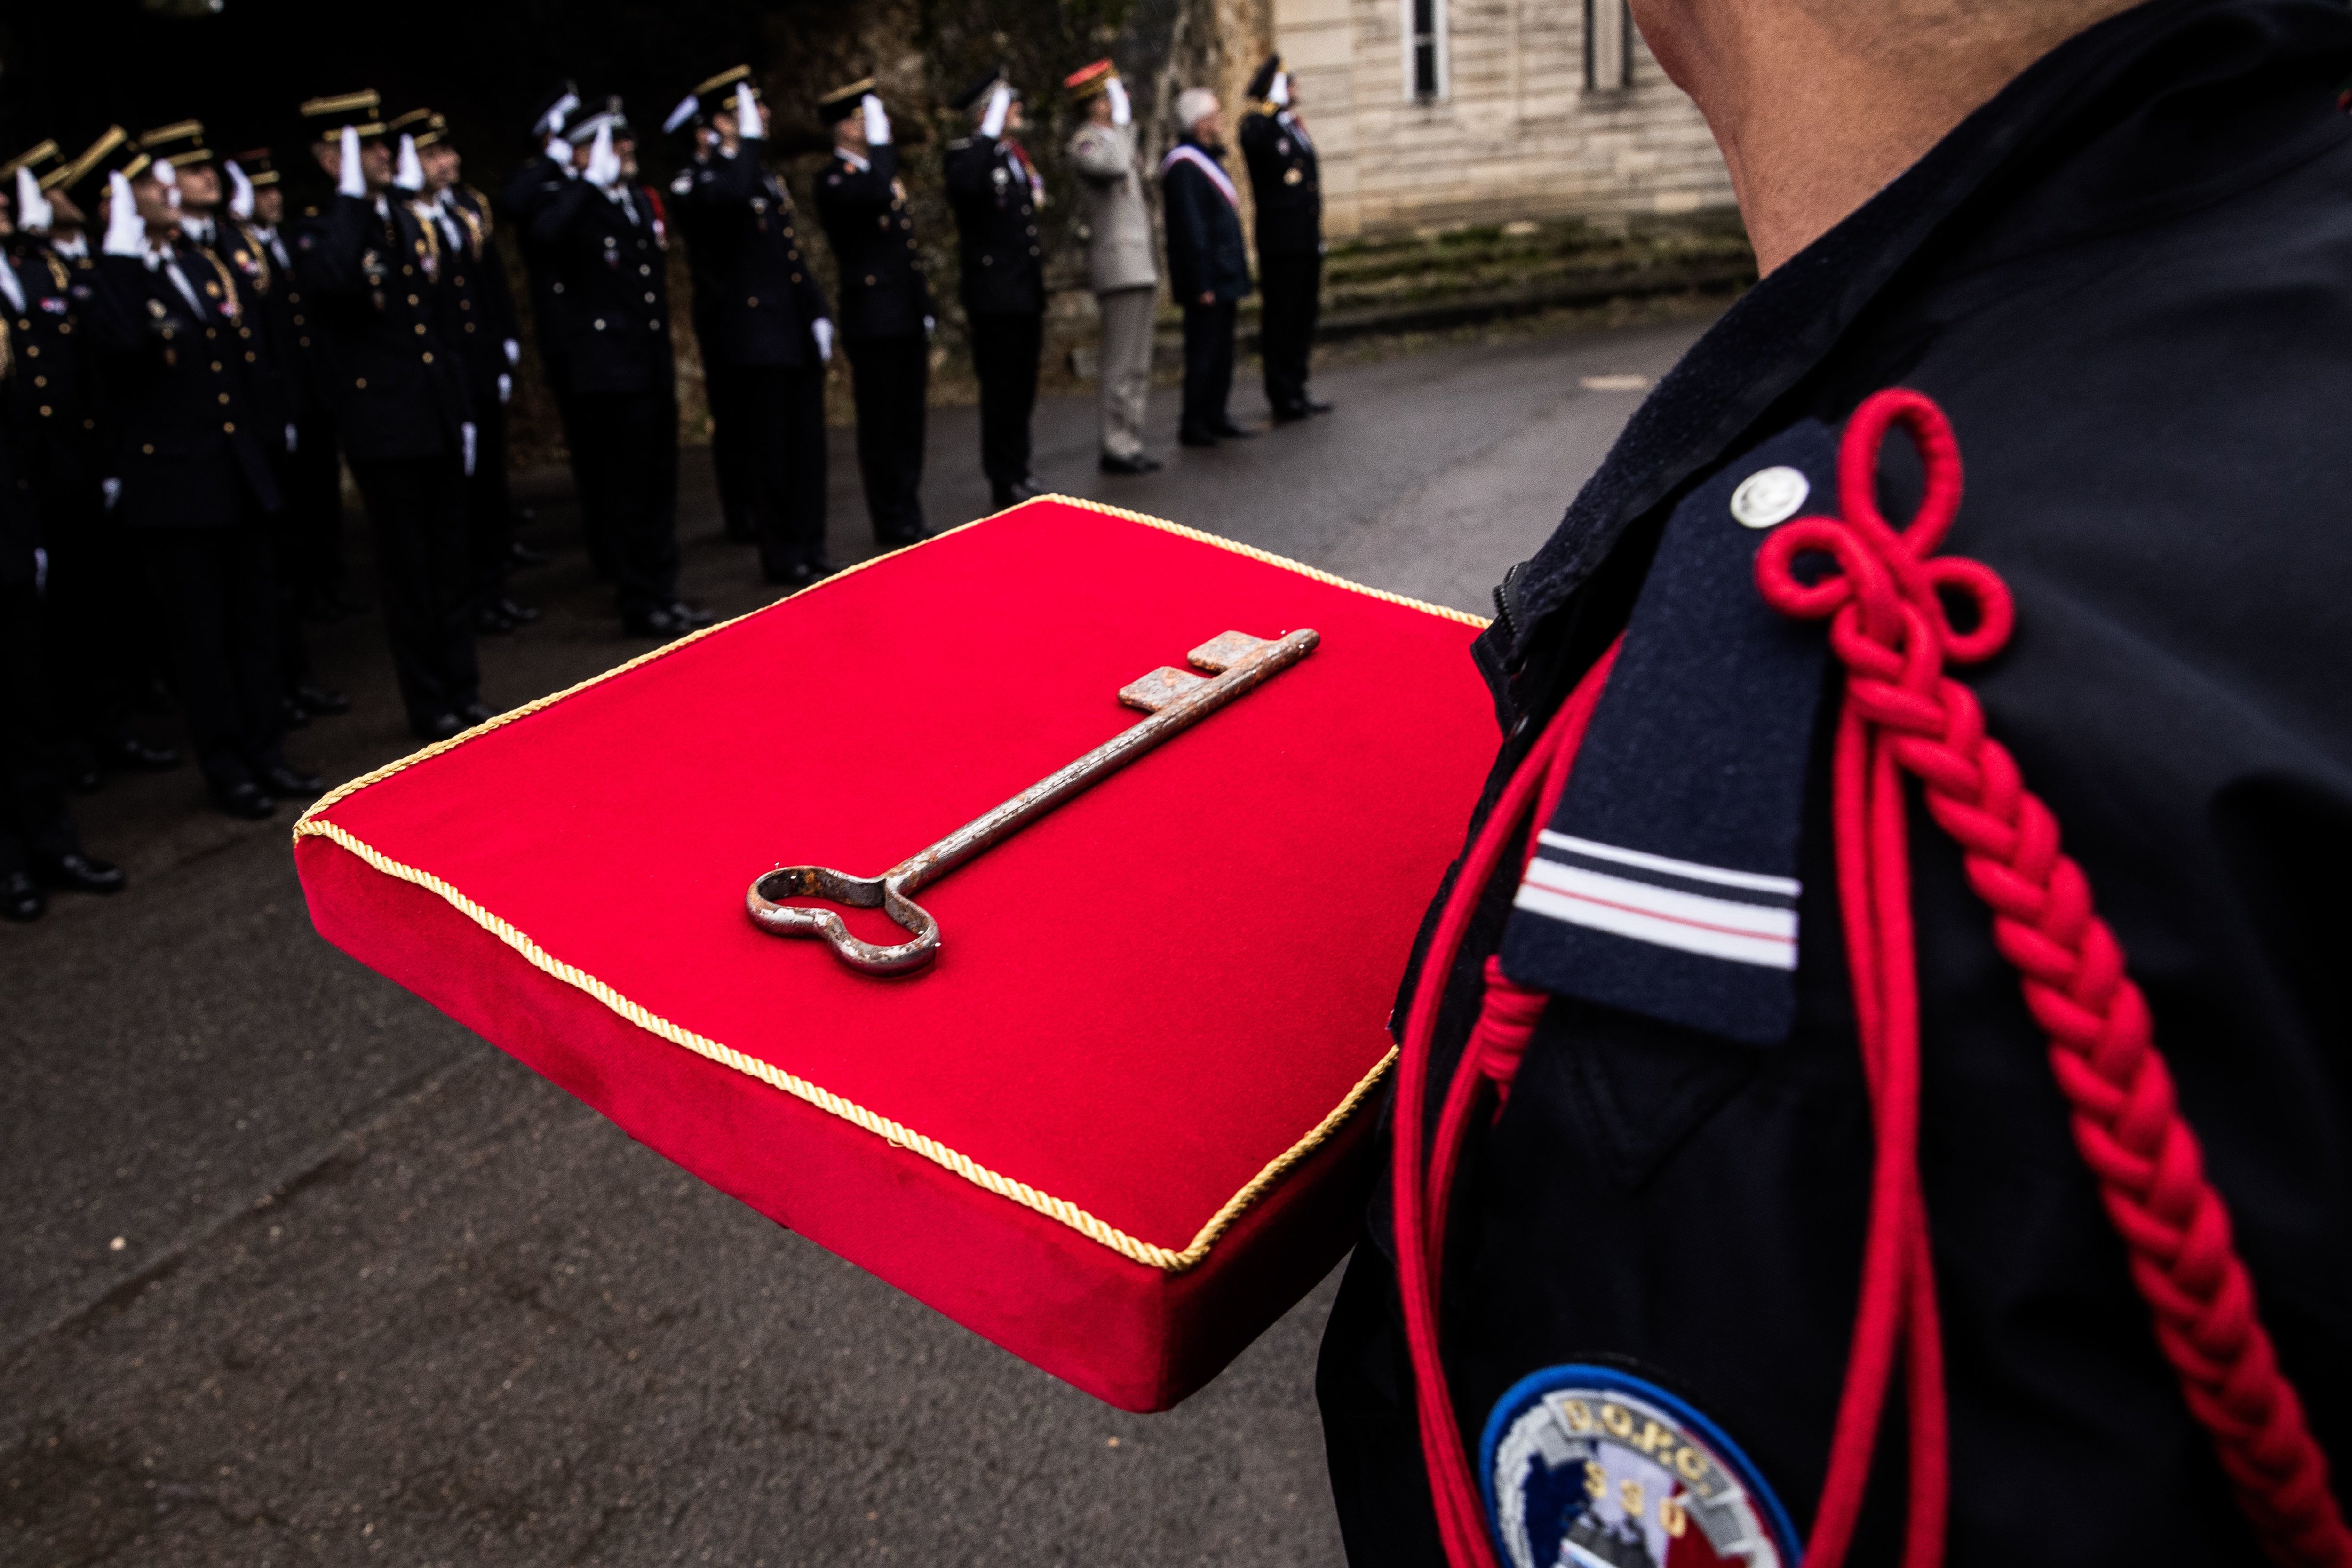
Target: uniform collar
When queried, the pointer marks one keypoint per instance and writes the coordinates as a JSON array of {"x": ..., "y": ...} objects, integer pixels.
[
  {"x": 861, "y": 165},
  {"x": 2164, "y": 106}
]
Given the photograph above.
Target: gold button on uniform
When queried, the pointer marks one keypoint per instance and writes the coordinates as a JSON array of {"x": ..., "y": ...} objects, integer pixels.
[
  {"x": 224, "y": 397},
  {"x": 148, "y": 447},
  {"x": 359, "y": 381},
  {"x": 428, "y": 356},
  {"x": 229, "y": 426}
]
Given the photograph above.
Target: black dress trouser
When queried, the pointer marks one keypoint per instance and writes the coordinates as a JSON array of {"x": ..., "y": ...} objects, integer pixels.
[
  {"x": 782, "y": 413},
  {"x": 1004, "y": 352},
  {"x": 729, "y": 452},
  {"x": 424, "y": 573},
  {"x": 34, "y": 825},
  {"x": 98, "y": 628},
  {"x": 892, "y": 377},
  {"x": 1290, "y": 290},
  {"x": 489, "y": 509},
  {"x": 626, "y": 454},
  {"x": 219, "y": 592},
  {"x": 310, "y": 530},
  {"x": 1208, "y": 368}
]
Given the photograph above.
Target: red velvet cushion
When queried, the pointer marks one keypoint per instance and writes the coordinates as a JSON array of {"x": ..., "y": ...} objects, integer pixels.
[{"x": 1109, "y": 1128}]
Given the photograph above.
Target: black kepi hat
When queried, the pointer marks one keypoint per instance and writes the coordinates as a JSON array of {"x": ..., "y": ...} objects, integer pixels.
[
  {"x": 362, "y": 110},
  {"x": 972, "y": 96},
  {"x": 842, "y": 102}
]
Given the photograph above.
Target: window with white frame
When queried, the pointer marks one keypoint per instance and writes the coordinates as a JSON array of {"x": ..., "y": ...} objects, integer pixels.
[{"x": 1424, "y": 50}]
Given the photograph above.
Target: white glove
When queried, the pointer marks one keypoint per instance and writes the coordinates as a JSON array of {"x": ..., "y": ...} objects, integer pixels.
[
  {"x": 410, "y": 177},
  {"x": 466, "y": 431},
  {"x": 1122, "y": 112},
  {"x": 604, "y": 164},
  {"x": 290, "y": 424},
  {"x": 558, "y": 148},
  {"x": 240, "y": 191},
  {"x": 823, "y": 331},
  {"x": 749, "y": 124},
  {"x": 877, "y": 122},
  {"x": 126, "y": 235},
  {"x": 1278, "y": 94},
  {"x": 506, "y": 388},
  {"x": 33, "y": 211},
  {"x": 1000, "y": 104},
  {"x": 110, "y": 489},
  {"x": 930, "y": 325},
  {"x": 171, "y": 178},
  {"x": 349, "y": 181},
  {"x": 514, "y": 351}
]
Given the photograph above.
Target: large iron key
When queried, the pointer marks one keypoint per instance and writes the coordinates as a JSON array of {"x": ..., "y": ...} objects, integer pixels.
[{"x": 1176, "y": 701}]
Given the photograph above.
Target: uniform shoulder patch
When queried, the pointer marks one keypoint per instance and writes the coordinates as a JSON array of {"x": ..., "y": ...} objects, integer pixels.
[{"x": 1589, "y": 1467}]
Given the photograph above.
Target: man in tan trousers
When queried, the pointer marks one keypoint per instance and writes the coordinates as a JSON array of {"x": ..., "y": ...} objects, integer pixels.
[{"x": 1126, "y": 284}]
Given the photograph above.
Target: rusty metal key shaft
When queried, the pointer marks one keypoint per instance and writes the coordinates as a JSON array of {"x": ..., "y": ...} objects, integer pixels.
[{"x": 1176, "y": 701}]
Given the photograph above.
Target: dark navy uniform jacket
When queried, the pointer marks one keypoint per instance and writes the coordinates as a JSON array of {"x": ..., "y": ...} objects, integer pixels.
[
  {"x": 2129, "y": 281},
  {"x": 526, "y": 193},
  {"x": 763, "y": 298},
  {"x": 883, "y": 292},
  {"x": 270, "y": 284},
  {"x": 191, "y": 448},
  {"x": 996, "y": 219},
  {"x": 1205, "y": 253},
  {"x": 227, "y": 254},
  {"x": 476, "y": 277},
  {"x": 54, "y": 413},
  {"x": 371, "y": 281},
  {"x": 610, "y": 254},
  {"x": 1286, "y": 184}
]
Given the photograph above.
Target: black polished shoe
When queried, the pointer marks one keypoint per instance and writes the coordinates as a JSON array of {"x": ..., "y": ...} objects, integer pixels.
[
  {"x": 1229, "y": 431},
  {"x": 79, "y": 873},
  {"x": 292, "y": 715},
  {"x": 694, "y": 620},
  {"x": 436, "y": 726},
  {"x": 521, "y": 614},
  {"x": 21, "y": 899},
  {"x": 1016, "y": 492},
  {"x": 1195, "y": 438},
  {"x": 290, "y": 781},
  {"x": 246, "y": 800},
  {"x": 1139, "y": 464},
  {"x": 802, "y": 575},
  {"x": 1315, "y": 406},
  {"x": 904, "y": 538},
  {"x": 134, "y": 755},
  {"x": 661, "y": 621},
  {"x": 477, "y": 713},
  {"x": 489, "y": 623},
  {"x": 321, "y": 701},
  {"x": 520, "y": 555}
]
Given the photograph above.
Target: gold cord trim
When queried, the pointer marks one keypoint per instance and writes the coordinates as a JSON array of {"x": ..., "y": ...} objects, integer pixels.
[{"x": 1152, "y": 1255}]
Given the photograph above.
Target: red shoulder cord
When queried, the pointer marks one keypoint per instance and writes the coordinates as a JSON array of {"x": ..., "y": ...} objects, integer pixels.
[{"x": 1887, "y": 604}]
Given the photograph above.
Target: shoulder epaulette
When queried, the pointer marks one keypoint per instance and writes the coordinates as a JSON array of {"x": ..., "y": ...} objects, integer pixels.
[{"x": 960, "y": 143}]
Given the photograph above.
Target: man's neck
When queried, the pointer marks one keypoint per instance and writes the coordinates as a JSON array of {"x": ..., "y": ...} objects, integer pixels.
[{"x": 1817, "y": 109}]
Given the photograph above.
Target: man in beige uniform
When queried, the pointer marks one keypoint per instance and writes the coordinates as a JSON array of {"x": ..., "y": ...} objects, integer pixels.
[{"x": 1125, "y": 284}]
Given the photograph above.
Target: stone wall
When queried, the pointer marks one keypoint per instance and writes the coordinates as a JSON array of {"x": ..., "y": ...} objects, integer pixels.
[{"x": 1529, "y": 124}]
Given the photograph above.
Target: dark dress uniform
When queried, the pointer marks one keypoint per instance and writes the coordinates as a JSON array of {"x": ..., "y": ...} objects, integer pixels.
[
  {"x": 730, "y": 455},
  {"x": 198, "y": 489},
  {"x": 2123, "y": 279},
  {"x": 610, "y": 252},
  {"x": 1286, "y": 190},
  {"x": 884, "y": 304},
  {"x": 527, "y": 192},
  {"x": 310, "y": 528},
  {"x": 398, "y": 379},
  {"x": 476, "y": 277},
  {"x": 1205, "y": 256},
  {"x": 1003, "y": 287},
  {"x": 93, "y": 599},
  {"x": 765, "y": 304}
]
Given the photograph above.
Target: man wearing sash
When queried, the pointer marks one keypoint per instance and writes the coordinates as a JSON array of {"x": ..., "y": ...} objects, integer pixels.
[{"x": 1208, "y": 267}]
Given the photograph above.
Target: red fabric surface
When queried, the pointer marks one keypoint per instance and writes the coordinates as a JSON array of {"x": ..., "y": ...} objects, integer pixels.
[{"x": 1140, "y": 1000}]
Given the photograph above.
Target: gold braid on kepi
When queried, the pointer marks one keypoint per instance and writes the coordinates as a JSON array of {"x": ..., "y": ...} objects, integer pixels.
[
  {"x": 842, "y": 102},
  {"x": 31, "y": 158},
  {"x": 1090, "y": 81},
  {"x": 362, "y": 110},
  {"x": 80, "y": 169}
]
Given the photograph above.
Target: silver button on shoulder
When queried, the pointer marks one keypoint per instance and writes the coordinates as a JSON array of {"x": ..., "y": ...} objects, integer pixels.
[{"x": 1769, "y": 496}]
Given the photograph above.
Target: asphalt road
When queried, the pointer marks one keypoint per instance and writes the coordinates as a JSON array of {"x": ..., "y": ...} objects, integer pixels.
[{"x": 299, "y": 1272}]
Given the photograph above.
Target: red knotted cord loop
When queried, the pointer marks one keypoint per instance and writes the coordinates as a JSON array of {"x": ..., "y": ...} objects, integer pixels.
[{"x": 1890, "y": 602}]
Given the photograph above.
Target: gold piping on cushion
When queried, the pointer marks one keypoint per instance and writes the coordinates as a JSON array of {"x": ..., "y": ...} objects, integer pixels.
[{"x": 1150, "y": 1254}]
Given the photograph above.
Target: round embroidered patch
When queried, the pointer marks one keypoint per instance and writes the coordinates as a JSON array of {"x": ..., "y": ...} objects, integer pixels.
[{"x": 1587, "y": 1467}]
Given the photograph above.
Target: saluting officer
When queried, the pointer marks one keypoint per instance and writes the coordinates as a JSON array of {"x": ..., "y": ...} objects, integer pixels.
[
  {"x": 885, "y": 306},
  {"x": 401, "y": 406},
  {"x": 93, "y": 603},
  {"x": 1207, "y": 265},
  {"x": 487, "y": 338},
  {"x": 609, "y": 243},
  {"x": 774, "y": 332},
  {"x": 39, "y": 848},
  {"x": 1119, "y": 258},
  {"x": 535, "y": 183},
  {"x": 732, "y": 458},
  {"x": 1286, "y": 189},
  {"x": 197, "y": 480},
  {"x": 996, "y": 191}
]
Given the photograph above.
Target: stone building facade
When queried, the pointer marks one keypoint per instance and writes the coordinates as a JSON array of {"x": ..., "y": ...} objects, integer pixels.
[{"x": 1433, "y": 113}]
